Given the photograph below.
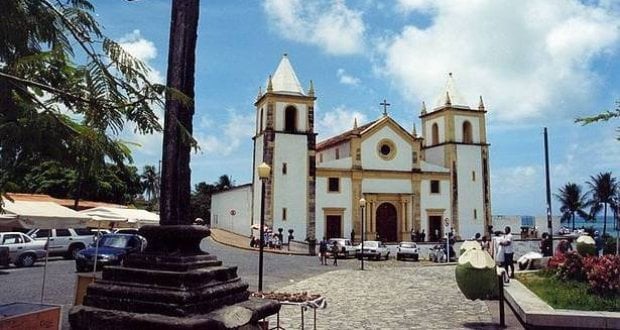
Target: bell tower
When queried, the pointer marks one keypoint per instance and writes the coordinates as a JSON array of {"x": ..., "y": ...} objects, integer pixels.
[
  {"x": 285, "y": 140},
  {"x": 455, "y": 138}
]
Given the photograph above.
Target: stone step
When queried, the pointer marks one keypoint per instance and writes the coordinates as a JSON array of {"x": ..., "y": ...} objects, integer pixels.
[
  {"x": 170, "y": 262},
  {"x": 194, "y": 278}
]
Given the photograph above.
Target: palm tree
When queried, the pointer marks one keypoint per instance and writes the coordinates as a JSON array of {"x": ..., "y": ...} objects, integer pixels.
[
  {"x": 603, "y": 188},
  {"x": 572, "y": 201},
  {"x": 150, "y": 182}
]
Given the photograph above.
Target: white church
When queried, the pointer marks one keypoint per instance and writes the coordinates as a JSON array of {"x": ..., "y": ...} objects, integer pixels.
[{"x": 408, "y": 181}]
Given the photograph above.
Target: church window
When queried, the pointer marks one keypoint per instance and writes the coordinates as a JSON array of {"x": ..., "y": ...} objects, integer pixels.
[
  {"x": 320, "y": 158},
  {"x": 334, "y": 185},
  {"x": 260, "y": 129},
  {"x": 337, "y": 153},
  {"x": 467, "y": 134},
  {"x": 386, "y": 149},
  {"x": 434, "y": 186},
  {"x": 284, "y": 214},
  {"x": 414, "y": 156},
  {"x": 284, "y": 168},
  {"x": 473, "y": 175},
  {"x": 475, "y": 214},
  {"x": 435, "y": 134},
  {"x": 290, "y": 119}
]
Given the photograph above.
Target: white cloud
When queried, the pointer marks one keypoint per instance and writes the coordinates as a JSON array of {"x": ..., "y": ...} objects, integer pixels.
[
  {"x": 237, "y": 129},
  {"x": 527, "y": 58},
  {"x": 136, "y": 45},
  {"x": 338, "y": 121},
  {"x": 347, "y": 79},
  {"x": 330, "y": 25}
]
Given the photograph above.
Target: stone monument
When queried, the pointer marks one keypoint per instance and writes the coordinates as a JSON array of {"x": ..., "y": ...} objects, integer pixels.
[{"x": 171, "y": 285}]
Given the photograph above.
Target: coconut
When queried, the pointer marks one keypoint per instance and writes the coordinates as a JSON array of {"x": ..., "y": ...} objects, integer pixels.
[
  {"x": 468, "y": 245},
  {"x": 476, "y": 275},
  {"x": 586, "y": 245}
]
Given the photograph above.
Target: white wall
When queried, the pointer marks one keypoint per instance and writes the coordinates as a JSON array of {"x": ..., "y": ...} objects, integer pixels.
[
  {"x": 428, "y": 130},
  {"x": 475, "y": 128},
  {"x": 434, "y": 201},
  {"x": 389, "y": 186},
  {"x": 370, "y": 156},
  {"x": 302, "y": 116},
  {"x": 471, "y": 195},
  {"x": 290, "y": 190},
  {"x": 435, "y": 155},
  {"x": 333, "y": 200},
  {"x": 237, "y": 199},
  {"x": 329, "y": 157}
]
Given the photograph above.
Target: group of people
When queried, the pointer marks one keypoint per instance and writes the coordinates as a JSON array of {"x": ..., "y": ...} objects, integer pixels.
[
  {"x": 417, "y": 236},
  {"x": 324, "y": 247},
  {"x": 501, "y": 249},
  {"x": 270, "y": 239}
]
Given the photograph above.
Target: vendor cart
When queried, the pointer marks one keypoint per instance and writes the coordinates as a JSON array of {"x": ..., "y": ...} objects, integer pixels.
[{"x": 314, "y": 304}]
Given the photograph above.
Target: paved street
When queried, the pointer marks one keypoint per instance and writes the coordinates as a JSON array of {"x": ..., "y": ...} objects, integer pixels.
[{"x": 388, "y": 295}]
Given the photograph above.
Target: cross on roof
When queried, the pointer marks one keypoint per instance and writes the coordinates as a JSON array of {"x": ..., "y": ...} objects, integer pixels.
[{"x": 385, "y": 105}]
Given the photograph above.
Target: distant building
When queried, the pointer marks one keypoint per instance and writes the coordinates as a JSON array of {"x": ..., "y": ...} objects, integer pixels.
[{"x": 409, "y": 181}]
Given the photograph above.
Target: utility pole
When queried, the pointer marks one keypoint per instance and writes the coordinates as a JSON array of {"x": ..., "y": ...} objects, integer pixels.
[{"x": 549, "y": 219}]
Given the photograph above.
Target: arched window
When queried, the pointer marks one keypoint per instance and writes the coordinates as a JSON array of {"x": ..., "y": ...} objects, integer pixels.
[
  {"x": 260, "y": 127},
  {"x": 290, "y": 119},
  {"x": 435, "y": 134},
  {"x": 467, "y": 135}
]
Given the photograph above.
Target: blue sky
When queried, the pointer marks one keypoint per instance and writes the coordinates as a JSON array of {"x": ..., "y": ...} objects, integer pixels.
[{"x": 536, "y": 63}]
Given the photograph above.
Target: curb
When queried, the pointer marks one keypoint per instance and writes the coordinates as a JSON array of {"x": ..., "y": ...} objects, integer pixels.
[{"x": 247, "y": 248}]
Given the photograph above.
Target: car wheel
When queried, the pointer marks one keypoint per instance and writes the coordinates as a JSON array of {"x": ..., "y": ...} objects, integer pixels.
[
  {"x": 387, "y": 256},
  {"x": 26, "y": 260},
  {"x": 73, "y": 250}
]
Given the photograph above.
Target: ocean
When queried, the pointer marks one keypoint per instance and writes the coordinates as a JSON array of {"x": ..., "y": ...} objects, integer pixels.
[{"x": 597, "y": 223}]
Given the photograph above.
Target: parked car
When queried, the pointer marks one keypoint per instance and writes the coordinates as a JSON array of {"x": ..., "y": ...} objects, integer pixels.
[
  {"x": 64, "y": 242},
  {"x": 372, "y": 250},
  {"x": 112, "y": 250},
  {"x": 347, "y": 249},
  {"x": 407, "y": 250},
  {"x": 131, "y": 231},
  {"x": 23, "y": 250}
]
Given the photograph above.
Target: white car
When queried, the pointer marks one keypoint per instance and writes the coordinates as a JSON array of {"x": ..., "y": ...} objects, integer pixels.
[
  {"x": 372, "y": 250},
  {"x": 23, "y": 250},
  {"x": 347, "y": 249},
  {"x": 407, "y": 250}
]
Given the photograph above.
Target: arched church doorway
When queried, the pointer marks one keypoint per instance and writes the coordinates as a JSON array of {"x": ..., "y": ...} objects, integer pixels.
[{"x": 387, "y": 228}]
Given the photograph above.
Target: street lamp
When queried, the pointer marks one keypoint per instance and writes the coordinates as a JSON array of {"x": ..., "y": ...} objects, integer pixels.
[
  {"x": 263, "y": 173},
  {"x": 362, "y": 205}
]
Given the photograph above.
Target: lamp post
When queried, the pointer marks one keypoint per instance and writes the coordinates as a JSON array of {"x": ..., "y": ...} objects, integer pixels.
[
  {"x": 362, "y": 205},
  {"x": 263, "y": 173}
]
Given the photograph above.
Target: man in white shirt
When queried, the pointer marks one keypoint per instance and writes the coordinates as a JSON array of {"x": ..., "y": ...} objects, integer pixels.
[{"x": 508, "y": 252}]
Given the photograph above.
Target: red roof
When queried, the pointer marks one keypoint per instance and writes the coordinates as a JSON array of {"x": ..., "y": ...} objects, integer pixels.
[
  {"x": 64, "y": 202},
  {"x": 346, "y": 136}
]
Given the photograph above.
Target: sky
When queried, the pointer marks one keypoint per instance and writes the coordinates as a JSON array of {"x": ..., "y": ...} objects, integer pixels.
[{"x": 536, "y": 63}]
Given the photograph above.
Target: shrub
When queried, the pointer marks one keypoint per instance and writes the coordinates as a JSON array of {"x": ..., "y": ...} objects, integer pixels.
[
  {"x": 610, "y": 245},
  {"x": 572, "y": 268},
  {"x": 586, "y": 246},
  {"x": 603, "y": 275},
  {"x": 556, "y": 261}
]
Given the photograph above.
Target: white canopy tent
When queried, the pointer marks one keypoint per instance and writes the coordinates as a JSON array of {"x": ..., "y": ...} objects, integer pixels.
[
  {"x": 44, "y": 215},
  {"x": 134, "y": 217}
]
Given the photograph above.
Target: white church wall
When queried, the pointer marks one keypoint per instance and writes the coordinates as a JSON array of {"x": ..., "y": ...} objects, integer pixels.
[
  {"x": 258, "y": 159},
  {"x": 434, "y": 201},
  {"x": 370, "y": 154},
  {"x": 470, "y": 196},
  {"x": 389, "y": 186},
  {"x": 435, "y": 155},
  {"x": 290, "y": 189},
  {"x": 330, "y": 160},
  {"x": 231, "y": 210},
  {"x": 475, "y": 128},
  {"x": 302, "y": 115},
  {"x": 326, "y": 199},
  {"x": 428, "y": 130}
]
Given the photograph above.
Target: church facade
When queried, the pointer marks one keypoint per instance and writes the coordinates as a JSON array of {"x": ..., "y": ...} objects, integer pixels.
[{"x": 409, "y": 181}]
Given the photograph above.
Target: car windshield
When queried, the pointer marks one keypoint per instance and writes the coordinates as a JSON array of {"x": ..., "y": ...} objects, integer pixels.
[
  {"x": 114, "y": 241},
  {"x": 407, "y": 245},
  {"x": 370, "y": 244}
]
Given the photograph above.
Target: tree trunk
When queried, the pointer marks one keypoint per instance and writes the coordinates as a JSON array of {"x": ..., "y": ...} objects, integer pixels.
[
  {"x": 604, "y": 219},
  {"x": 573, "y": 220},
  {"x": 175, "y": 188}
]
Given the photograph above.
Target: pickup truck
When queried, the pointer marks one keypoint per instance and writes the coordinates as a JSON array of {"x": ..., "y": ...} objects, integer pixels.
[
  {"x": 346, "y": 248},
  {"x": 64, "y": 242},
  {"x": 23, "y": 250}
]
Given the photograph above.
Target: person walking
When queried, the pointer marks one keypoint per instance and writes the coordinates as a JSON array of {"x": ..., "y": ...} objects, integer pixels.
[
  {"x": 598, "y": 243},
  {"x": 323, "y": 251},
  {"x": 508, "y": 252},
  {"x": 413, "y": 235},
  {"x": 352, "y": 236},
  {"x": 335, "y": 250}
]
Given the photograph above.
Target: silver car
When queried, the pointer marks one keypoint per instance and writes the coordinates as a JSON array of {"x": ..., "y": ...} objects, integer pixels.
[
  {"x": 347, "y": 249},
  {"x": 373, "y": 250},
  {"x": 23, "y": 250},
  {"x": 407, "y": 250}
]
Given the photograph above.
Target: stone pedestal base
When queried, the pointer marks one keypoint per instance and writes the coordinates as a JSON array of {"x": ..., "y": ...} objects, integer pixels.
[{"x": 170, "y": 286}]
